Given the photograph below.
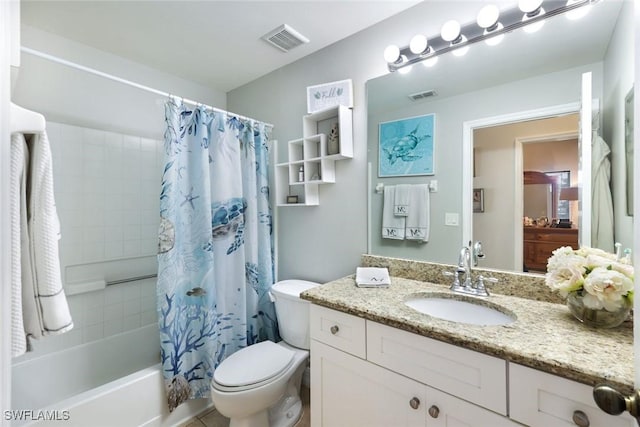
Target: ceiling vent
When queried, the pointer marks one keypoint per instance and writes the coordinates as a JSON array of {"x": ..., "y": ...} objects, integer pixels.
[
  {"x": 285, "y": 38},
  {"x": 422, "y": 95}
]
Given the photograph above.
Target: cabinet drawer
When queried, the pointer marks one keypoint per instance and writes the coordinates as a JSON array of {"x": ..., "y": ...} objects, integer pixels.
[
  {"x": 467, "y": 374},
  {"x": 539, "y": 399},
  {"x": 342, "y": 331}
]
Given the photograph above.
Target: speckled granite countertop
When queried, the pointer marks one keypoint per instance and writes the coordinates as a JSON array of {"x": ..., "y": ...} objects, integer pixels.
[{"x": 545, "y": 336}]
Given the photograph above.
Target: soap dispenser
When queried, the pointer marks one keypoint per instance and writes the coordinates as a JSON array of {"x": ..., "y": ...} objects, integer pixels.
[{"x": 301, "y": 174}]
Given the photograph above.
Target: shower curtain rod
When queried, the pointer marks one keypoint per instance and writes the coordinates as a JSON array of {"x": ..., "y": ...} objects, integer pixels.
[{"x": 127, "y": 82}]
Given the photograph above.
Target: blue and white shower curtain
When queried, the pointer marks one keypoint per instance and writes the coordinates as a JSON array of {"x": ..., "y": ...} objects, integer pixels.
[{"x": 215, "y": 250}]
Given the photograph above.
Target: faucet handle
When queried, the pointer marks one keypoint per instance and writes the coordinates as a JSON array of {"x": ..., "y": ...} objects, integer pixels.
[
  {"x": 481, "y": 289},
  {"x": 456, "y": 278}
]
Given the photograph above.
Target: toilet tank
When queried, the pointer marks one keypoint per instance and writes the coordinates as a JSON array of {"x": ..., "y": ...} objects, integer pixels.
[{"x": 292, "y": 312}]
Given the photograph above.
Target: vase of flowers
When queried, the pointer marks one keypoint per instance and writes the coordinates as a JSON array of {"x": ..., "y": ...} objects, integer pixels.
[{"x": 598, "y": 285}]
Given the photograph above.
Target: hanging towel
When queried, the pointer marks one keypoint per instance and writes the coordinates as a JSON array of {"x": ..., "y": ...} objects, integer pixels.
[
  {"x": 401, "y": 200},
  {"x": 45, "y": 310},
  {"x": 372, "y": 277},
  {"x": 392, "y": 226},
  {"x": 602, "y": 204},
  {"x": 17, "y": 204},
  {"x": 417, "y": 226}
]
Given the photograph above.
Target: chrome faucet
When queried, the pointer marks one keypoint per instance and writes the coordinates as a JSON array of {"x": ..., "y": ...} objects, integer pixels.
[
  {"x": 467, "y": 259},
  {"x": 464, "y": 266}
]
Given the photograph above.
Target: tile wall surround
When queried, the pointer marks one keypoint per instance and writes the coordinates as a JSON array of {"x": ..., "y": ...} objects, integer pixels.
[
  {"x": 107, "y": 197},
  {"x": 522, "y": 285}
]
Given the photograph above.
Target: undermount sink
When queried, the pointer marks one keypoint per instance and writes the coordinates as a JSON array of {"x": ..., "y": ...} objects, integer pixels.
[{"x": 461, "y": 309}]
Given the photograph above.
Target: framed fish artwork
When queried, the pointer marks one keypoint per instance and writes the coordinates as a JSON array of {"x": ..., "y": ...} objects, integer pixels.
[{"x": 406, "y": 146}]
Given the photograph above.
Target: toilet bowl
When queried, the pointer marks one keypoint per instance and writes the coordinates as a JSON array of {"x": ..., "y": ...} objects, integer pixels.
[{"x": 259, "y": 386}]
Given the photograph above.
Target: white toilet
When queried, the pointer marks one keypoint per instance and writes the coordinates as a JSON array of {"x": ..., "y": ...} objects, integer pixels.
[{"x": 259, "y": 386}]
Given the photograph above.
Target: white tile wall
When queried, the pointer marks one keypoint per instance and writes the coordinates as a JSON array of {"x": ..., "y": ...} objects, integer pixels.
[{"x": 107, "y": 189}]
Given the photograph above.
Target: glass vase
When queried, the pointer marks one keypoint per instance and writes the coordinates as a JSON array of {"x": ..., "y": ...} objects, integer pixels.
[{"x": 597, "y": 318}]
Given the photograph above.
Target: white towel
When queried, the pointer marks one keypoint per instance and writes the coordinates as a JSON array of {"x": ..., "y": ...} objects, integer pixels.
[
  {"x": 17, "y": 204},
  {"x": 401, "y": 200},
  {"x": 392, "y": 226},
  {"x": 372, "y": 277},
  {"x": 44, "y": 310},
  {"x": 418, "y": 215}
]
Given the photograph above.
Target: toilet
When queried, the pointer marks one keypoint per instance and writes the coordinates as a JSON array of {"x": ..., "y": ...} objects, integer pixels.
[{"x": 259, "y": 386}]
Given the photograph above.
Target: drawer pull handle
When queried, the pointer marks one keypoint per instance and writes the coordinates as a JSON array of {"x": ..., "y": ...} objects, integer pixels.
[
  {"x": 434, "y": 411},
  {"x": 414, "y": 403},
  {"x": 613, "y": 402},
  {"x": 334, "y": 329},
  {"x": 581, "y": 419}
]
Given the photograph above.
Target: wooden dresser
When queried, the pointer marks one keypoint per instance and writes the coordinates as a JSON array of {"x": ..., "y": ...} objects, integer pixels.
[{"x": 540, "y": 242}]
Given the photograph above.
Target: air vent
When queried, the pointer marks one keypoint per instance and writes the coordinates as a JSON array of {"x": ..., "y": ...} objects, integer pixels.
[
  {"x": 422, "y": 95},
  {"x": 285, "y": 38}
]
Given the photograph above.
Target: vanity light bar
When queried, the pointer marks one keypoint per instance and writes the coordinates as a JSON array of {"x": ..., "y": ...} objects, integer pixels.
[{"x": 510, "y": 20}]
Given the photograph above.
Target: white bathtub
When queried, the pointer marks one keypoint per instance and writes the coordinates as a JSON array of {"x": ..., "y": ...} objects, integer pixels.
[{"x": 113, "y": 382}]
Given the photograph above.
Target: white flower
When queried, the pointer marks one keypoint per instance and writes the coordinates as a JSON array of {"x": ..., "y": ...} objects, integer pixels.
[
  {"x": 606, "y": 288},
  {"x": 606, "y": 282}
]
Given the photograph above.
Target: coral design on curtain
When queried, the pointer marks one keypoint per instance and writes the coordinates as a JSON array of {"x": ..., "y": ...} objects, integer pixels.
[{"x": 215, "y": 250}]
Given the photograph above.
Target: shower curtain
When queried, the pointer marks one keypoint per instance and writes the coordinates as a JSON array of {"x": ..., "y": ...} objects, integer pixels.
[{"x": 215, "y": 250}]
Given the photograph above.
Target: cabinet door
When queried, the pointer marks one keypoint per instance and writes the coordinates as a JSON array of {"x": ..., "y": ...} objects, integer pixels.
[
  {"x": 445, "y": 410},
  {"x": 350, "y": 392},
  {"x": 538, "y": 399}
]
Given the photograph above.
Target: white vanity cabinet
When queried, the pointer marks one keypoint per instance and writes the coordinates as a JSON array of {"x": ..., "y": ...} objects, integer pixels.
[
  {"x": 390, "y": 378},
  {"x": 539, "y": 399}
]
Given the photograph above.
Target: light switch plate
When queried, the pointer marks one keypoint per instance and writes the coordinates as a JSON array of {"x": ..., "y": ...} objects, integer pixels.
[{"x": 451, "y": 219}]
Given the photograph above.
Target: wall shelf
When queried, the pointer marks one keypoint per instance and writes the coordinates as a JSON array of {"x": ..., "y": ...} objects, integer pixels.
[{"x": 311, "y": 152}]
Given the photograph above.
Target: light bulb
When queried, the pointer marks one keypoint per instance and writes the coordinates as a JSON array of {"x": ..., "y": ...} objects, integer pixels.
[
  {"x": 450, "y": 31},
  {"x": 529, "y": 6},
  {"x": 488, "y": 16},
  {"x": 392, "y": 54},
  {"x": 418, "y": 44},
  {"x": 579, "y": 12}
]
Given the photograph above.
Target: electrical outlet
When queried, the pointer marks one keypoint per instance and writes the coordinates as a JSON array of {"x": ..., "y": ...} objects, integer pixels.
[{"x": 451, "y": 219}]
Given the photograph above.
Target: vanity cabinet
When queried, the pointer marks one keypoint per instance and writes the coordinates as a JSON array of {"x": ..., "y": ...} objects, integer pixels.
[
  {"x": 540, "y": 242},
  {"x": 364, "y": 373},
  {"x": 310, "y": 159},
  {"x": 395, "y": 378}
]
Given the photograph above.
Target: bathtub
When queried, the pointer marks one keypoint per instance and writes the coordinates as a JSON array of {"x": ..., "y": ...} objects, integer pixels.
[{"x": 111, "y": 382}]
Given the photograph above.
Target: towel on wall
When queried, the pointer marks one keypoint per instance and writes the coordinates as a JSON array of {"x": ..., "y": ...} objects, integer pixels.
[
  {"x": 417, "y": 225},
  {"x": 392, "y": 225},
  {"x": 44, "y": 310},
  {"x": 17, "y": 204},
  {"x": 401, "y": 200}
]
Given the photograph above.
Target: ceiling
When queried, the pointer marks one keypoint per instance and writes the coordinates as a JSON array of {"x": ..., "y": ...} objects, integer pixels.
[{"x": 225, "y": 36}]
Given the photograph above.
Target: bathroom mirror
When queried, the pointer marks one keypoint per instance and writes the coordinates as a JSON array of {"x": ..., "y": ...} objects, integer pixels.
[{"x": 525, "y": 72}]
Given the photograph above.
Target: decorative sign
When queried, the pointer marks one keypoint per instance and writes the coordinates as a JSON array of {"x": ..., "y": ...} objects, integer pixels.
[
  {"x": 328, "y": 95},
  {"x": 406, "y": 146}
]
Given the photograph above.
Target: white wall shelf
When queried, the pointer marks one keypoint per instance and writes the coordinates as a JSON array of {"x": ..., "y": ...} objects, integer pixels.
[{"x": 313, "y": 153}]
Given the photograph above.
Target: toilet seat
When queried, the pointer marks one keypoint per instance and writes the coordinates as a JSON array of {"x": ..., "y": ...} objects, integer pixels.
[{"x": 252, "y": 366}]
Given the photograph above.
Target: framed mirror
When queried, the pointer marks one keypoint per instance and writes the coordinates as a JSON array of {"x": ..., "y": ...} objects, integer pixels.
[{"x": 523, "y": 73}]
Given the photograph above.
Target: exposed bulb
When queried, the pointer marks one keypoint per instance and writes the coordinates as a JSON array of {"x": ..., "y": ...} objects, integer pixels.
[
  {"x": 450, "y": 31},
  {"x": 392, "y": 54},
  {"x": 529, "y": 6},
  {"x": 418, "y": 44},
  {"x": 488, "y": 16}
]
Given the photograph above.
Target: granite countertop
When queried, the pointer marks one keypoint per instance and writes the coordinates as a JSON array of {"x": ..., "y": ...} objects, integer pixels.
[{"x": 545, "y": 336}]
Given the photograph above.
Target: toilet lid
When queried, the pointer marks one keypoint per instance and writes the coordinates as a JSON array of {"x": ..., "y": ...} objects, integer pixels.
[{"x": 253, "y": 364}]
